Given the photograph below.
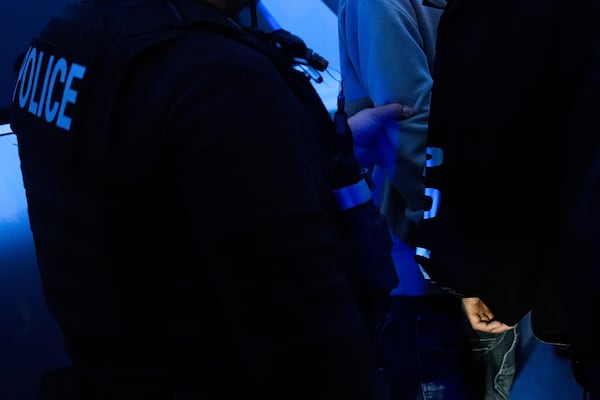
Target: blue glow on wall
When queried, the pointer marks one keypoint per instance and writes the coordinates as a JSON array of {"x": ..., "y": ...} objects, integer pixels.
[{"x": 316, "y": 25}]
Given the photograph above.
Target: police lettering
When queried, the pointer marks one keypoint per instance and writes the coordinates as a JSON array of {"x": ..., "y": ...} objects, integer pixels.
[
  {"x": 435, "y": 158},
  {"x": 45, "y": 86}
]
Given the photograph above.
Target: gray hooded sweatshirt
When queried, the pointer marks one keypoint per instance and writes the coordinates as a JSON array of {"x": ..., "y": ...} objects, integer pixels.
[{"x": 386, "y": 55}]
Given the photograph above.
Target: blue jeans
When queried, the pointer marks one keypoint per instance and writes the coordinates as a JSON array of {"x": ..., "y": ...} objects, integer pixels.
[
  {"x": 444, "y": 357},
  {"x": 494, "y": 361},
  {"x": 429, "y": 350},
  {"x": 425, "y": 348}
]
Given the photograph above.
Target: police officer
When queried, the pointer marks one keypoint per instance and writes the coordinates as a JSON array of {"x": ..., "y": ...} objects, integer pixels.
[
  {"x": 518, "y": 236},
  {"x": 177, "y": 172}
]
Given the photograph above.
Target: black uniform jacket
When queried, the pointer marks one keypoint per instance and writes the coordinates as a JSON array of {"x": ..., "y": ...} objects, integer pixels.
[
  {"x": 513, "y": 131},
  {"x": 184, "y": 224}
]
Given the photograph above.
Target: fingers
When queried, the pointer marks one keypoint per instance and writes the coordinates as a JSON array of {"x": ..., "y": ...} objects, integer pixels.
[
  {"x": 481, "y": 317},
  {"x": 493, "y": 326},
  {"x": 485, "y": 323},
  {"x": 368, "y": 124},
  {"x": 392, "y": 112},
  {"x": 369, "y": 128}
]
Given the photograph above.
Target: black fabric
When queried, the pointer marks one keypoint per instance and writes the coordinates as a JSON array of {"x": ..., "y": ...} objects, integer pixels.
[
  {"x": 186, "y": 233},
  {"x": 485, "y": 239},
  {"x": 516, "y": 223},
  {"x": 494, "y": 102},
  {"x": 4, "y": 115},
  {"x": 583, "y": 234}
]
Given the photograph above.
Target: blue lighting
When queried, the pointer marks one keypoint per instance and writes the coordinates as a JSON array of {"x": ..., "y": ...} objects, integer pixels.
[
  {"x": 316, "y": 25},
  {"x": 5, "y": 129}
]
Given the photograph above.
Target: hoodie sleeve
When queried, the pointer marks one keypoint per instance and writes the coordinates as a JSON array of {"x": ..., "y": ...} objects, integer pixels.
[{"x": 386, "y": 52}]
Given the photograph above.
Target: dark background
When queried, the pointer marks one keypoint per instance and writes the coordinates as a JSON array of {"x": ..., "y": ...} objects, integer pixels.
[{"x": 20, "y": 20}]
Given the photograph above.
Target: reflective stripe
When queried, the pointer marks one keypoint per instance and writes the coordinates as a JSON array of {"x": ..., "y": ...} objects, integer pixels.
[
  {"x": 421, "y": 252},
  {"x": 352, "y": 195},
  {"x": 5, "y": 128},
  {"x": 424, "y": 273}
]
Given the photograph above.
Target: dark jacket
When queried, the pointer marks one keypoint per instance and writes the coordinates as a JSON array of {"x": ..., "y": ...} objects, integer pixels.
[
  {"x": 582, "y": 272},
  {"x": 509, "y": 81},
  {"x": 184, "y": 227}
]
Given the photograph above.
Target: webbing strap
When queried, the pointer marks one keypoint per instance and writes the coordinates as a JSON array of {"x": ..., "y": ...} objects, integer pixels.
[{"x": 352, "y": 195}]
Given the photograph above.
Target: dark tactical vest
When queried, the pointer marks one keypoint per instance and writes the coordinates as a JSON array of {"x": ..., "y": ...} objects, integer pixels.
[{"x": 62, "y": 111}]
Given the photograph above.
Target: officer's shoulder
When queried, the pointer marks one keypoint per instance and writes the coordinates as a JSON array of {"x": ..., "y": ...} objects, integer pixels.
[{"x": 217, "y": 49}]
